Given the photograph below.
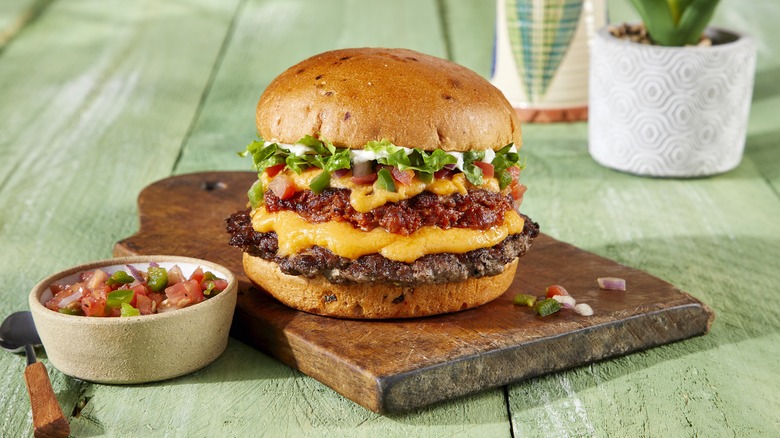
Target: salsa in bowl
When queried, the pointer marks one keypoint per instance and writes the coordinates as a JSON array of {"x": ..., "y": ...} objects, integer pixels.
[{"x": 176, "y": 338}]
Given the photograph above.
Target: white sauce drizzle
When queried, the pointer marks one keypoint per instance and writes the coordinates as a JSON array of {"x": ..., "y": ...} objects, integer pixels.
[{"x": 362, "y": 156}]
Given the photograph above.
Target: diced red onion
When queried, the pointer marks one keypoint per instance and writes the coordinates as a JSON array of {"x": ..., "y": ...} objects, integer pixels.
[
  {"x": 362, "y": 168},
  {"x": 445, "y": 171},
  {"x": 340, "y": 172},
  {"x": 75, "y": 296},
  {"x": 567, "y": 301},
  {"x": 583, "y": 309},
  {"x": 611, "y": 283},
  {"x": 135, "y": 273}
]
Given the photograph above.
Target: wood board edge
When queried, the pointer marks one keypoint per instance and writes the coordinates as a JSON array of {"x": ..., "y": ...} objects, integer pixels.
[{"x": 411, "y": 390}]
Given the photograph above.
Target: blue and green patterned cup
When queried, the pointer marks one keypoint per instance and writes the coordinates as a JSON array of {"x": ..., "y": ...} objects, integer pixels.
[{"x": 541, "y": 56}]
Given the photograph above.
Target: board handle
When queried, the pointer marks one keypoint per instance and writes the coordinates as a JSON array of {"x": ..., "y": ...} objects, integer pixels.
[{"x": 48, "y": 419}]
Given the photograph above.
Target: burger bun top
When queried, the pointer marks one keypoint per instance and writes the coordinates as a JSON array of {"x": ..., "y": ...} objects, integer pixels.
[{"x": 352, "y": 96}]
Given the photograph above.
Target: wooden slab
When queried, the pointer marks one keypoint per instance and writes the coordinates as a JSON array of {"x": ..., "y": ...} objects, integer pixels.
[{"x": 397, "y": 365}]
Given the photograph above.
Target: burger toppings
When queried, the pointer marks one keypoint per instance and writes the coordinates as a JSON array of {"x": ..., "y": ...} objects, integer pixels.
[
  {"x": 380, "y": 163},
  {"x": 478, "y": 209}
]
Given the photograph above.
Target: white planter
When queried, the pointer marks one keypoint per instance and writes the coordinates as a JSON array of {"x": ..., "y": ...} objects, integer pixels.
[{"x": 670, "y": 111}]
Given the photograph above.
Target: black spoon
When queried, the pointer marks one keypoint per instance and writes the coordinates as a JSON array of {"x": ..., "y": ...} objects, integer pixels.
[{"x": 18, "y": 333}]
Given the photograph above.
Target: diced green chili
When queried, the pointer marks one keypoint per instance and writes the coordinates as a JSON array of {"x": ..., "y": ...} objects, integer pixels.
[
  {"x": 504, "y": 179},
  {"x": 547, "y": 306},
  {"x": 255, "y": 194},
  {"x": 385, "y": 180},
  {"x": 128, "y": 310},
  {"x": 120, "y": 277},
  {"x": 524, "y": 300},
  {"x": 211, "y": 285},
  {"x": 70, "y": 310},
  {"x": 119, "y": 297},
  {"x": 320, "y": 182},
  {"x": 156, "y": 278}
]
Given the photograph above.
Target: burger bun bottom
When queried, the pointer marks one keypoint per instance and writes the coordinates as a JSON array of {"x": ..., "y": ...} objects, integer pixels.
[{"x": 374, "y": 301}]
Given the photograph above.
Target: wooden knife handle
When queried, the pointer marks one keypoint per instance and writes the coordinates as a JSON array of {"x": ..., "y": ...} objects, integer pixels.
[{"x": 48, "y": 420}]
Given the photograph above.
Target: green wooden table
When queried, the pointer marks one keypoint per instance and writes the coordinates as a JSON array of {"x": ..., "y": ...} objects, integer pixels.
[{"x": 98, "y": 99}]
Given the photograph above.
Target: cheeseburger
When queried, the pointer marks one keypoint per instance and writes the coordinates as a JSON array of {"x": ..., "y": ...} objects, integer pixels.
[{"x": 388, "y": 187}]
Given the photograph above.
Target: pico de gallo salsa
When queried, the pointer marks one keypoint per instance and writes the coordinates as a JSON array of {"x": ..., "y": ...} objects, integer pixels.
[{"x": 133, "y": 292}]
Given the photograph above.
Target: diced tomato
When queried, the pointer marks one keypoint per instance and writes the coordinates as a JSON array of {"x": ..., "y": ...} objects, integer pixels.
[
  {"x": 282, "y": 186},
  {"x": 487, "y": 169},
  {"x": 57, "y": 288},
  {"x": 554, "y": 290},
  {"x": 65, "y": 297},
  {"x": 444, "y": 172},
  {"x": 175, "y": 275},
  {"x": 141, "y": 289},
  {"x": 185, "y": 293},
  {"x": 404, "y": 177},
  {"x": 517, "y": 191},
  {"x": 93, "y": 305},
  {"x": 273, "y": 170},
  {"x": 220, "y": 285},
  {"x": 364, "y": 179},
  {"x": 197, "y": 275},
  {"x": 175, "y": 293},
  {"x": 157, "y": 298},
  {"x": 193, "y": 291},
  {"x": 144, "y": 304}
]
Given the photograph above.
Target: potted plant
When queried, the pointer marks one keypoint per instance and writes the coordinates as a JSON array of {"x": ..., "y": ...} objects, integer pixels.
[{"x": 670, "y": 96}]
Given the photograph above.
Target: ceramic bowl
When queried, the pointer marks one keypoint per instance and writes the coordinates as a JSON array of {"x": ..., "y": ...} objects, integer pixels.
[{"x": 138, "y": 349}]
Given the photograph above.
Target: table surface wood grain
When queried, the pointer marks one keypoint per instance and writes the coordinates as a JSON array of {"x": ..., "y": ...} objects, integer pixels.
[{"x": 99, "y": 99}]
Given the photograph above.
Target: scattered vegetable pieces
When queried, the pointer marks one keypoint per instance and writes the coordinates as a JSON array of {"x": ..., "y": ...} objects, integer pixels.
[
  {"x": 524, "y": 300},
  {"x": 547, "y": 306},
  {"x": 554, "y": 290},
  {"x": 566, "y": 301},
  {"x": 611, "y": 283},
  {"x": 583, "y": 309},
  {"x": 556, "y": 298}
]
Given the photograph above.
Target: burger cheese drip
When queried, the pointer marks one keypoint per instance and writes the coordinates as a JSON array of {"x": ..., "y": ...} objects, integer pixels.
[{"x": 296, "y": 234}]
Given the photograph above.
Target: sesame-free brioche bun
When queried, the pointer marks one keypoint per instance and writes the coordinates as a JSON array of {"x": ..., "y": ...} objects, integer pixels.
[
  {"x": 353, "y": 96},
  {"x": 374, "y": 301}
]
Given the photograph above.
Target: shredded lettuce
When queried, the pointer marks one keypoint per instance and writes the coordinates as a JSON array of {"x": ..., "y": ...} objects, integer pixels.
[
  {"x": 505, "y": 159},
  {"x": 422, "y": 162},
  {"x": 323, "y": 154}
]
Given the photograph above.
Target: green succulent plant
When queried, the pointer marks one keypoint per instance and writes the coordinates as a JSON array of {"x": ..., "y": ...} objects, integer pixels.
[{"x": 675, "y": 22}]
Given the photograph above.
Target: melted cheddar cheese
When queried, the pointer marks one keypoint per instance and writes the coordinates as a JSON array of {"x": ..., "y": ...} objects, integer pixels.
[
  {"x": 295, "y": 234},
  {"x": 366, "y": 197}
]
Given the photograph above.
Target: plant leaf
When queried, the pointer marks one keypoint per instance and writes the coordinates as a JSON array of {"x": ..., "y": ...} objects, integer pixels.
[{"x": 694, "y": 20}]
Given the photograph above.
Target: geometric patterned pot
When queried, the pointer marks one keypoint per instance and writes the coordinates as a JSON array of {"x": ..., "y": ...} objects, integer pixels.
[{"x": 670, "y": 111}]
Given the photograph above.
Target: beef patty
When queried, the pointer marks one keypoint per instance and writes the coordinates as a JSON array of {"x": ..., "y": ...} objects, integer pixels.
[{"x": 374, "y": 268}]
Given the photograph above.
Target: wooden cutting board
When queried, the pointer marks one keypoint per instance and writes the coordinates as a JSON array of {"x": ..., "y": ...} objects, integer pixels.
[{"x": 397, "y": 365}]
